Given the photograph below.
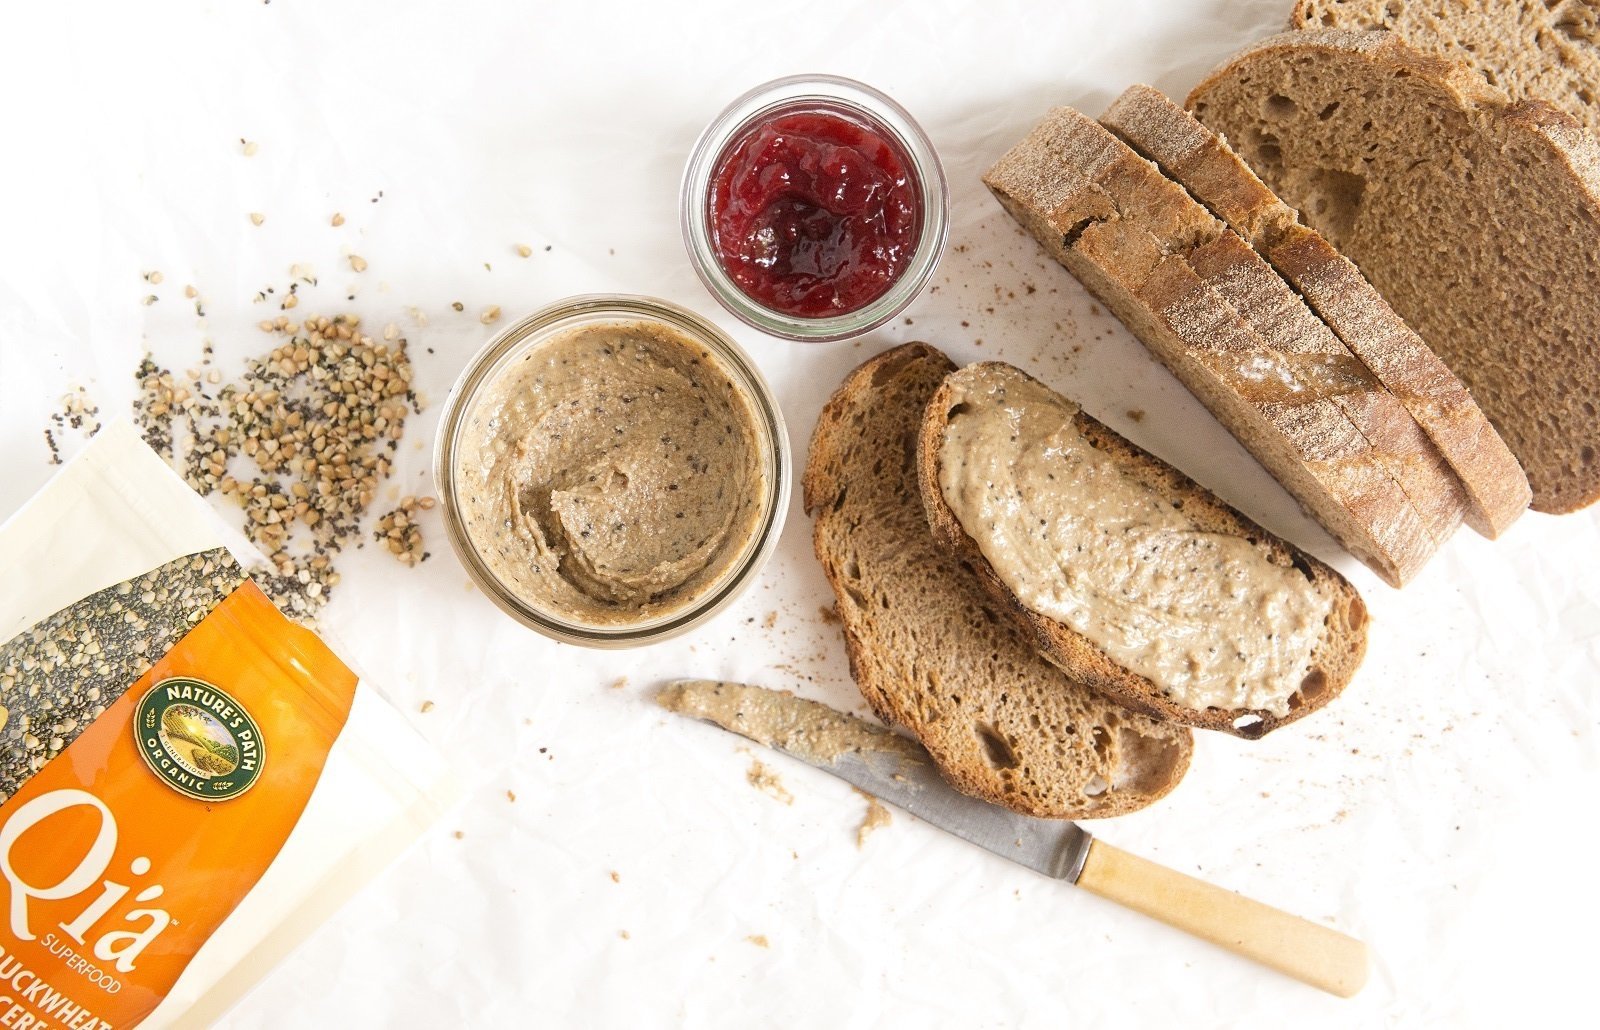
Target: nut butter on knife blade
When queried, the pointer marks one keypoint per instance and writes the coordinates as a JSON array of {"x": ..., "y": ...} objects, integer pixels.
[{"x": 898, "y": 770}]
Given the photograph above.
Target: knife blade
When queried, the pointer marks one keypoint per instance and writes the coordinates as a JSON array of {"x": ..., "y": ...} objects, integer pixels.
[{"x": 900, "y": 771}]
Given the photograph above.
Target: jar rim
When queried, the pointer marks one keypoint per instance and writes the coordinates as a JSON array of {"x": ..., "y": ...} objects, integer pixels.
[
  {"x": 540, "y": 326},
  {"x": 822, "y": 90}
]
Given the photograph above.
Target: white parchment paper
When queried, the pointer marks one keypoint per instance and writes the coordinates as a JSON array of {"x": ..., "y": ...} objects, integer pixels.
[{"x": 1440, "y": 810}]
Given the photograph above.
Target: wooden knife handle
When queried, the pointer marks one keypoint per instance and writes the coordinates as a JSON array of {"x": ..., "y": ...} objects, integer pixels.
[{"x": 1312, "y": 954}]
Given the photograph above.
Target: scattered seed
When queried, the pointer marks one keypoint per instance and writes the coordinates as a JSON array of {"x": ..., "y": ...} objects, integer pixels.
[
  {"x": 337, "y": 219},
  {"x": 398, "y": 531},
  {"x": 301, "y": 442},
  {"x": 358, "y": 262},
  {"x": 256, "y": 218},
  {"x": 490, "y": 314},
  {"x": 523, "y": 250}
]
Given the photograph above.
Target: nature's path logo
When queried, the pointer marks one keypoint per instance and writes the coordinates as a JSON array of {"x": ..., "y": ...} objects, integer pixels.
[{"x": 197, "y": 739}]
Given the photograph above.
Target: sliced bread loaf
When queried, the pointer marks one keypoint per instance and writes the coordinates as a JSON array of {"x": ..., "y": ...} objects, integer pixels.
[
  {"x": 931, "y": 651},
  {"x": 1114, "y": 220},
  {"x": 1128, "y": 575},
  {"x": 1495, "y": 487},
  {"x": 1532, "y": 49},
  {"x": 1478, "y": 220}
]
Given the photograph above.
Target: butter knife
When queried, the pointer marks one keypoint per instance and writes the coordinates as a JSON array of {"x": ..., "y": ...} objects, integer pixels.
[{"x": 896, "y": 769}]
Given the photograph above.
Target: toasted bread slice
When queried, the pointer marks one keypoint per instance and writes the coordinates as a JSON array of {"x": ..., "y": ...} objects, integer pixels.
[
  {"x": 1478, "y": 219},
  {"x": 931, "y": 651},
  {"x": 1128, "y": 233},
  {"x": 1252, "y": 635},
  {"x": 1202, "y": 162}
]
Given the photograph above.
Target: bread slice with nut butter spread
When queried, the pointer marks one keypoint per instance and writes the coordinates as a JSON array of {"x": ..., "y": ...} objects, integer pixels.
[
  {"x": 932, "y": 651},
  {"x": 1128, "y": 575}
]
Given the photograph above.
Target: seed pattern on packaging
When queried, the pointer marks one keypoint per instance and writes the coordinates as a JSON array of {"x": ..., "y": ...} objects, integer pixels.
[{"x": 62, "y": 673}]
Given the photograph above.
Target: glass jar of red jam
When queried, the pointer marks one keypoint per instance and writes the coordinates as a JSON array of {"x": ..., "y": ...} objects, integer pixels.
[{"x": 814, "y": 208}]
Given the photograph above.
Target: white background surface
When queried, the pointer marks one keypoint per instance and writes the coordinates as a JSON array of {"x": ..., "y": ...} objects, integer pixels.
[{"x": 1442, "y": 809}]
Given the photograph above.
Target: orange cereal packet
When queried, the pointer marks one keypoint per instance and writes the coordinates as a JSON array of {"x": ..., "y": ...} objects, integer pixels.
[{"x": 180, "y": 765}]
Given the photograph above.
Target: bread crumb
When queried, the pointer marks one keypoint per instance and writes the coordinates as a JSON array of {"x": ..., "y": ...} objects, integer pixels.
[
  {"x": 616, "y": 877},
  {"x": 337, "y": 220},
  {"x": 511, "y": 796},
  {"x": 256, "y": 218},
  {"x": 459, "y": 835},
  {"x": 619, "y": 683},
  {"x": 770, "y": 621},
  {"x": 830, "y": 615},
  {"x": 875, "y": 818},
  {"x": 624, "y": 935},
  {"x": 358, "y": 262},
  {"x": 767, "y": 781},
  {"x": 759, "y": 940},
  {"x": 1137, "y": 414},
  {"x": 427, "y": 706},
  {"x": 523, "y": 250}
]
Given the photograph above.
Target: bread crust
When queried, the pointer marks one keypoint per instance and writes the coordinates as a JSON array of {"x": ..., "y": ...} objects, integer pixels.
[
  {"x": 1333, "y": 662},
  {"x": 1495, "y": 487},
  {"x": 1105, "y": 741},
  {"x": 1305, "y": 344}
]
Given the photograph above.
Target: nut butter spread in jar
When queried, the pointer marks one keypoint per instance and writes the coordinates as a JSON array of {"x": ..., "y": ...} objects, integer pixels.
[{"x": 614, "y": 470}]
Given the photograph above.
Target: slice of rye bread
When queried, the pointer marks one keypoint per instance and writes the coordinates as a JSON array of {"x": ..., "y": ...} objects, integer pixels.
[
  {"x": 928, "y": 647},
  {"x": 1533, "y": 49},
  {"x": 1065, "y": 183},
  {"x": 1333, "y": 662},
  {"x": 1478, "y": 219},
  {"x": 1496, "y": 488}
]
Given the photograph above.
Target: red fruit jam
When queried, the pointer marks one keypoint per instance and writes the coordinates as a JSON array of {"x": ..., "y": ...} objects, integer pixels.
[{"x": 814, "y": 213}]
